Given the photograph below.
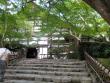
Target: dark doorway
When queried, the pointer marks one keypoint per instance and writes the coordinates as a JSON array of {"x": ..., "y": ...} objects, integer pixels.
[{"x": 32, "y": 52}]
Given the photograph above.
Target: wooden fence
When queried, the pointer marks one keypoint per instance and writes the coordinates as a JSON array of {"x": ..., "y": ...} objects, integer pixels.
[{"x": 102, "y": 73}]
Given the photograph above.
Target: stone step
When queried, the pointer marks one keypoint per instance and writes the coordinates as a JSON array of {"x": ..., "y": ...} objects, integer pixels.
[
  {"x": 61, "y": 63},
  {"x": 24, "y": 81},
  {"x": 39, "y": 72},
  {"x": 50, "y": 60},
  {"x": 47, "y": 71},
  {"x": 53, "y": 65},
  {"x": 47, "y": 78},
  {"x": 47, "y": 68}
]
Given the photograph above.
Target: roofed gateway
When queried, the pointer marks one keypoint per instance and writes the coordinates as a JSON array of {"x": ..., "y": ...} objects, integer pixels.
[{"x": 54, "y": 41}]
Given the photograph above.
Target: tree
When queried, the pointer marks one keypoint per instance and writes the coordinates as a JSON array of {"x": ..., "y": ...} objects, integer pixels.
[
  {"x": 13, "y": 26},
  {"x": 77, "y": 16}
]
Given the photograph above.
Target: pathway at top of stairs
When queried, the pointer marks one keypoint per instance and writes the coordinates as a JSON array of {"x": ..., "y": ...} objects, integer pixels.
[{"x": 47, "y": 71}]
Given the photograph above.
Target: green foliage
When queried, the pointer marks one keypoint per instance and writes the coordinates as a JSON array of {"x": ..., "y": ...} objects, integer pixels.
[
  {"x": 74, "y": 15},
  {"x": 3, "y": 1},
  {"x": 105, "y": 62},
  {"x": 13, "y": 26}
]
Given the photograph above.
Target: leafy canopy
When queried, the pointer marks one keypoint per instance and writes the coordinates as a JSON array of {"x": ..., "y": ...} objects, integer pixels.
[{"x": 74, "y": 15}]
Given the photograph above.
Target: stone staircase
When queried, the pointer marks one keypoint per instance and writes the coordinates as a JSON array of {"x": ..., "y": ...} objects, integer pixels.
[{"x": 47, "y": 71}]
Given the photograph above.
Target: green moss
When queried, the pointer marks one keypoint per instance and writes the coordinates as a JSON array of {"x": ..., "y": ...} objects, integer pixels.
[{"x": 105, "y": 62}]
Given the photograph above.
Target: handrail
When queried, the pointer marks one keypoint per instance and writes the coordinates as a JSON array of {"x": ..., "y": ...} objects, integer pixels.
[
  {"x": 102, "y": 73},
  {"x": 14, "y": 57}
]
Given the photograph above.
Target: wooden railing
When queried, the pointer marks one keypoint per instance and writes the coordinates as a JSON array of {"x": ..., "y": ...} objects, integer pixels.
[
  {"x": 13, "y": 55},
  {"x": 12, "y": 58},
  {"x": 102, "y": 73}
]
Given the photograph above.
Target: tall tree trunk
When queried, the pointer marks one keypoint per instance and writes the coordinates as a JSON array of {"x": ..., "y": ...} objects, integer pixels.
[{"x": 5, "y": 26}]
